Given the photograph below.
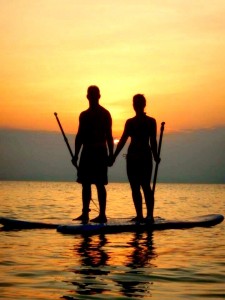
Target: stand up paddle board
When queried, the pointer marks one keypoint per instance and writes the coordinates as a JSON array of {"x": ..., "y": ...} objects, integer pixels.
[
  {"x": 125, "y": 225},
  {"x": 115, "y": 225},
  {"x": 11, "y": 224}
]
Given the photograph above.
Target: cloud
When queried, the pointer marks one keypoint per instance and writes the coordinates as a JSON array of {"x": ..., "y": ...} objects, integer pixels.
[
  {"x": 192, "y": 156},
  {"x": 33, "y": 155}
]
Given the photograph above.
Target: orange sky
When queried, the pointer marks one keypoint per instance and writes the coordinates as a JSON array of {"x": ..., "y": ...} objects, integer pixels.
[{"x": 171, "y": 51}]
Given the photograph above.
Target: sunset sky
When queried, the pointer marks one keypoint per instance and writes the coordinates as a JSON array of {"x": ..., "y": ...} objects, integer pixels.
[{"x": 172, "y": 51}]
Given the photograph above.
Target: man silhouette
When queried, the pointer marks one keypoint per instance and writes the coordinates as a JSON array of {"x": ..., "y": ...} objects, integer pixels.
[{"x": 95, "y": 137}]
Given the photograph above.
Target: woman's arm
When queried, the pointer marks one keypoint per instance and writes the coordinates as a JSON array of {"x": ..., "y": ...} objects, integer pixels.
[
  {"x": 122, "y": 141},
  {"x": 153, "y": 141}
]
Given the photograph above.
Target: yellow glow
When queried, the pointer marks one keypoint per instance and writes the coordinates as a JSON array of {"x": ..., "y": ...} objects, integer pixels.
[{"x": 51, "y": 53}]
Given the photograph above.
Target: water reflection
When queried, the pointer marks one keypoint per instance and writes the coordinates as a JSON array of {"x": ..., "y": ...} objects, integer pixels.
[
  {"x": 98, "y": 272},
  {"x": 135, "y": 281},
  {"x": 143, "y": 250},
  {"x": 92, "y": 252}
]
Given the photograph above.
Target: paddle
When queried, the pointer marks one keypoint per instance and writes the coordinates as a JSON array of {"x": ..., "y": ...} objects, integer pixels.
[
  {"x": 157, "y": 164},
  {"x": 65, "y": 138},
  {"x": 68, "y": 145}
]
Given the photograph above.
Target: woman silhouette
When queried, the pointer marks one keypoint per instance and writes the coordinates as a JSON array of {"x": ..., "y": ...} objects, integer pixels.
[{"x": 142, "y": 131}]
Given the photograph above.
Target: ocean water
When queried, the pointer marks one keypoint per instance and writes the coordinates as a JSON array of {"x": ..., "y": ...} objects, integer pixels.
[{"x": 170, "y": 264}]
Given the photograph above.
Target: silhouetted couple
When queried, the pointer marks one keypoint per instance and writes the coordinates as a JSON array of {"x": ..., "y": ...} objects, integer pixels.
[{"x": 95, "y": 138}]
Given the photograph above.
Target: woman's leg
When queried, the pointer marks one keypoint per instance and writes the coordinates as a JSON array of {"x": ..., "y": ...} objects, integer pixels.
[
  {"x": 149, "y": 199},
  {"x": 137, "y": 199}
]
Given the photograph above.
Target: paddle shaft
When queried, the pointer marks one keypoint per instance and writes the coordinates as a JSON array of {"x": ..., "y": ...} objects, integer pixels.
[
  {"x": 159, "y": 150},
  {"x": 64, "y": 136},
  {"x": 68, "y": 145}
]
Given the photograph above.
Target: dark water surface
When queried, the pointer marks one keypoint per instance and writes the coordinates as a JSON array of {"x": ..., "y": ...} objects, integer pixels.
[{"x": 170, "y": 264}]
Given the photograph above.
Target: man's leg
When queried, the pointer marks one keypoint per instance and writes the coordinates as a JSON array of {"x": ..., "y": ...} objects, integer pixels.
[
  {"x": 102, "y": 204},
  {"x": 86, "y": 198}
]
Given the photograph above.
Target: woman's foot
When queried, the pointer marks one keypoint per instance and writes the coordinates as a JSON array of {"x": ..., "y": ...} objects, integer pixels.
[
  {"x": 149, "y": 220},
  {"x": 137, "y": 219}
]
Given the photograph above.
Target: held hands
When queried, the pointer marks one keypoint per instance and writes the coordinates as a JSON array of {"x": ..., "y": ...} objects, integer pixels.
[
  {"x": 111, "y": 160},
  {"x": 157, "y": 159}
]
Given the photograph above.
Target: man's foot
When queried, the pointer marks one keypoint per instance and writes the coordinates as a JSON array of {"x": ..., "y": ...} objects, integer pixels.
[
  {"x": 99, "y": 219},
  {"x": 78, "y": 218},
  {"x": 84, "y": 221},
  {"x": 83, "y": 218}
]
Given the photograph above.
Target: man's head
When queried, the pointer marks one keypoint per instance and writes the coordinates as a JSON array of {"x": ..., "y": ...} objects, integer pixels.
[{"x": 93, "y": 94}]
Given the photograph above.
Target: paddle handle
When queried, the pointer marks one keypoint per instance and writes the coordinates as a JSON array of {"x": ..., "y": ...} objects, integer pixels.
[
  {"x": 64, "y": 136},
  {"x": 158, "y": 152}
]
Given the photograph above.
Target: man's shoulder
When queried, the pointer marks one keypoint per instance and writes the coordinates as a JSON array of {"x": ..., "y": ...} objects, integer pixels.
[
  {"x": 104, "y": 110},
  {"x": 98, "y": 110},
  {"x": 83, "y": 113}
]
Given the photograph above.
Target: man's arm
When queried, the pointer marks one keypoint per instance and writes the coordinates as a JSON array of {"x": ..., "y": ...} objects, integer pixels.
[
  {"x": 78, "y": 145},
  {"x": 109, "y": 138}
]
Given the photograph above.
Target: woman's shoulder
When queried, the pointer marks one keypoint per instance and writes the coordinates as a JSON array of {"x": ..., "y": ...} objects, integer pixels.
[
  {"x": 130, "y": 121},
  {"x": 135, "y": 120},
  {"x": 151, "y": 119}
]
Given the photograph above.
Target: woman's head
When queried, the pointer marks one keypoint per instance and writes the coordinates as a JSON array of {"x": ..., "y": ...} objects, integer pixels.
[{"x": 139, "y": 103}]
